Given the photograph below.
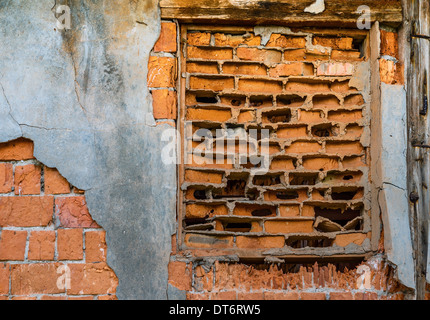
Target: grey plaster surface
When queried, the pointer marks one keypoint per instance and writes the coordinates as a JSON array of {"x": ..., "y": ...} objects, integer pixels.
[
  {"x": 81, "y": 96},
  {"x": 398, "y": 242}
]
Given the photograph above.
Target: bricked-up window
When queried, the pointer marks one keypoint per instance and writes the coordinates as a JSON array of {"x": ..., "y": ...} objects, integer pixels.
[{"x": 297, "y": 91}]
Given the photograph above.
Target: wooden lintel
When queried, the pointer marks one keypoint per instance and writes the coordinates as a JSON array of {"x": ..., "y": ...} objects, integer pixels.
[{"x": 342, "y": 13}]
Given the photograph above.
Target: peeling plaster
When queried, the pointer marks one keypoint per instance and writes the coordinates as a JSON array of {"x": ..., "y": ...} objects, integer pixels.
[
  {"x": 317, "y": 7},
  {"x": 81, "y": 96}
]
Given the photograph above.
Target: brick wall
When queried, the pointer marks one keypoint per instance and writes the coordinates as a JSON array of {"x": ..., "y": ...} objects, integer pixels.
[
  {"x": 298, "y": 86},
  {"x": 50, "y": 247}
]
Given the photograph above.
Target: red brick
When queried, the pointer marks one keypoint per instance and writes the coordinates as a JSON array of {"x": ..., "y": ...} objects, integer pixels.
[
  {"x": 303, "y": 147},
  {"x": 273, "y": 226},
  {"x": 26, "y": 211},
  {"x": 164, "y": 104},
  {"x": 291, "y": 69},
  {"x": 365, "y": 296},
  {"x": 202, "y": 67},
  {"x": 389, "y": 44},
  {"x": 199, "y": 39},
  {"x": 224, "y": 295},
  {"x": 4, "y": 278},
  {"x": 27, "y": 179},
  {"x": 342, "y": 240},
  {"x": 252, "y": 85},
  {"x": 260, "y": 242},
  {"x": 341, "y": 296},
  {"x": 20, "y": 149},
  {"x": 346, "y": 55},
  {"x": 345, "y": 115},
  {"x": 179, "y": 275},
  {"x": 41, "y": 245},
  {"x": 12, "y": 245},
  {"x": 203, "y": 176},
  {"x": 269, "y": 57},
  {"x": 278, "y": 40},
  {"x": 70, "y": 244},
  {"x": 250, "y": 296},
  {"x": 322, "y": 164},
  {"x": 222, "y": 39},
  {"x": 333, "y": 42},
  {"x": 167, "y": 40},
  {"x": 244, "y": 68},
  {"x": 335, "y": 69},
  {"x": 281, "y": 295},
  {"x": 161, "y": 72},
  {"x": 289, "y": 210},
  {"x": 215, "y": 84},
  {"x": 55, "y": 183},
  {"x": 35, "y": 278},
  {"x": 53, "y": 298},
  {"x": 312, "y": 296},
  {"x": 391, "y": 72},
  {"x": 92, "y": 278},
  {"x": 2, "y": 298},
  {"x": 309, "y": 116},
  {"x": 308, "y": 87},
  {"x": 343, "y": 148},
  {"x": 6, "y": 177},
  {"x": 72, "y": 212},
  {"x": 95, "y": 246},
  {"x": 209, "y": 53},
  {"x": 197, "y": 296},
  {"x": 107, "y": 297},
  {"x": 81, "y": 298},
  {"x": 206, "y": 241},
  {"x": 208, "y": 114}
]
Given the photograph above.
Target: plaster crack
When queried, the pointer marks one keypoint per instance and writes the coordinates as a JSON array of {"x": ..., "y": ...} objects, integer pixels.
[
  {"x": 392, "y": 184},
  {"x": 10, "y": 107}
]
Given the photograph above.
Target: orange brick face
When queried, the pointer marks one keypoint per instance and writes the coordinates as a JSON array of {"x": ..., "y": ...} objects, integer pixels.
[
  {"x": 297, "y": 87},
  {"x": 45, "y": 224}
]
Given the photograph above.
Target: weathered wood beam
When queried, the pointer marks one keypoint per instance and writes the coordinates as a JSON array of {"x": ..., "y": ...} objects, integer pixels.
[{"x": 336, "y": 13}]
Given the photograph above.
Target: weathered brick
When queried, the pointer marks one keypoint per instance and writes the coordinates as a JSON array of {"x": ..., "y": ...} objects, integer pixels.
[
  {"x": 289, "y": 210},
  {"x": 28, "y": 179},
  {"x": 209, "y": 53},
  {"x": 215, "y": 84},
  {"x": 208, "y": 114},
  {"x": 161, "y": 72},
  {"x": 308, "y": 87},
  {"x": 246, "y": 117},
  {"x": 335, "y": 69},
  {"x": 6, "y": 177},
  {"x": 202, "y": 67},
  {"x": 92, "y": 278},
  {"x": 205, "y": 210},
  {"x": 292, "y": 295},
  {"x": 180, "y": 275},
  {"x": 253, "y": 85},
  {"x": 26, "y": 211},
  {"x": 346, "y": 55},
  {"x": 273, "y": 226},
  {"x": 322, "y": 164},
  {"x": 278, "y": 40},
  {"x": 203, "y": 176},
  {"x": 341, "y": 296},
  {"x": 230, "y": 40},
  {"x": 312, "y": 296},
  {"x": 41, "y": 245},
  {"x": 208, "y": 241},
  {"x": 107, "y": 297},
  {"x": 72, "y": 212},
  {"x": 70, "y": 244},
  {"x": 343, "y": 148},
  {"x": 95, "y": 246},
  {"x": 303, "y": 147},
  {"x": 306, "y": 116},
  {"x": 19, "y": 149},
  {"x": 167, "y": 40},
  {"x": 12, "y": 245},
  {"x": 282, "y": 164},
  {"x": 4, "y": 278},
  {"x": 35, "y": 278},
  {"x": 333, "y": 42},
  {"x": 244, "y": 68},
  {"x": 389, "y": 44},
  {"x": 247, "y": 242},
  {"x": 199, "y": 38},
  {"x": 345, "y": 115},
  {"x": 164, "y": 104},
  {"x": 291, "y": 69},
  {"x": 250, "y": 296},
  {"x": 269, "y": 57},
  {"x": 48, "y": 297},
  {"x": 365, "y": 296},
  {"x": 391, "y": 72},
  {"x": 342, "y": 240},
  {"x": 224, "y": 295},
  {"x": 55, "y": 183}
]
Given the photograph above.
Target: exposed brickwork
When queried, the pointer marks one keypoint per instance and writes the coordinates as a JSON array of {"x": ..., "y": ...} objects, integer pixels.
[
  {"x": 298, "y": 88},
  {"x": 46, "y": 233}
]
